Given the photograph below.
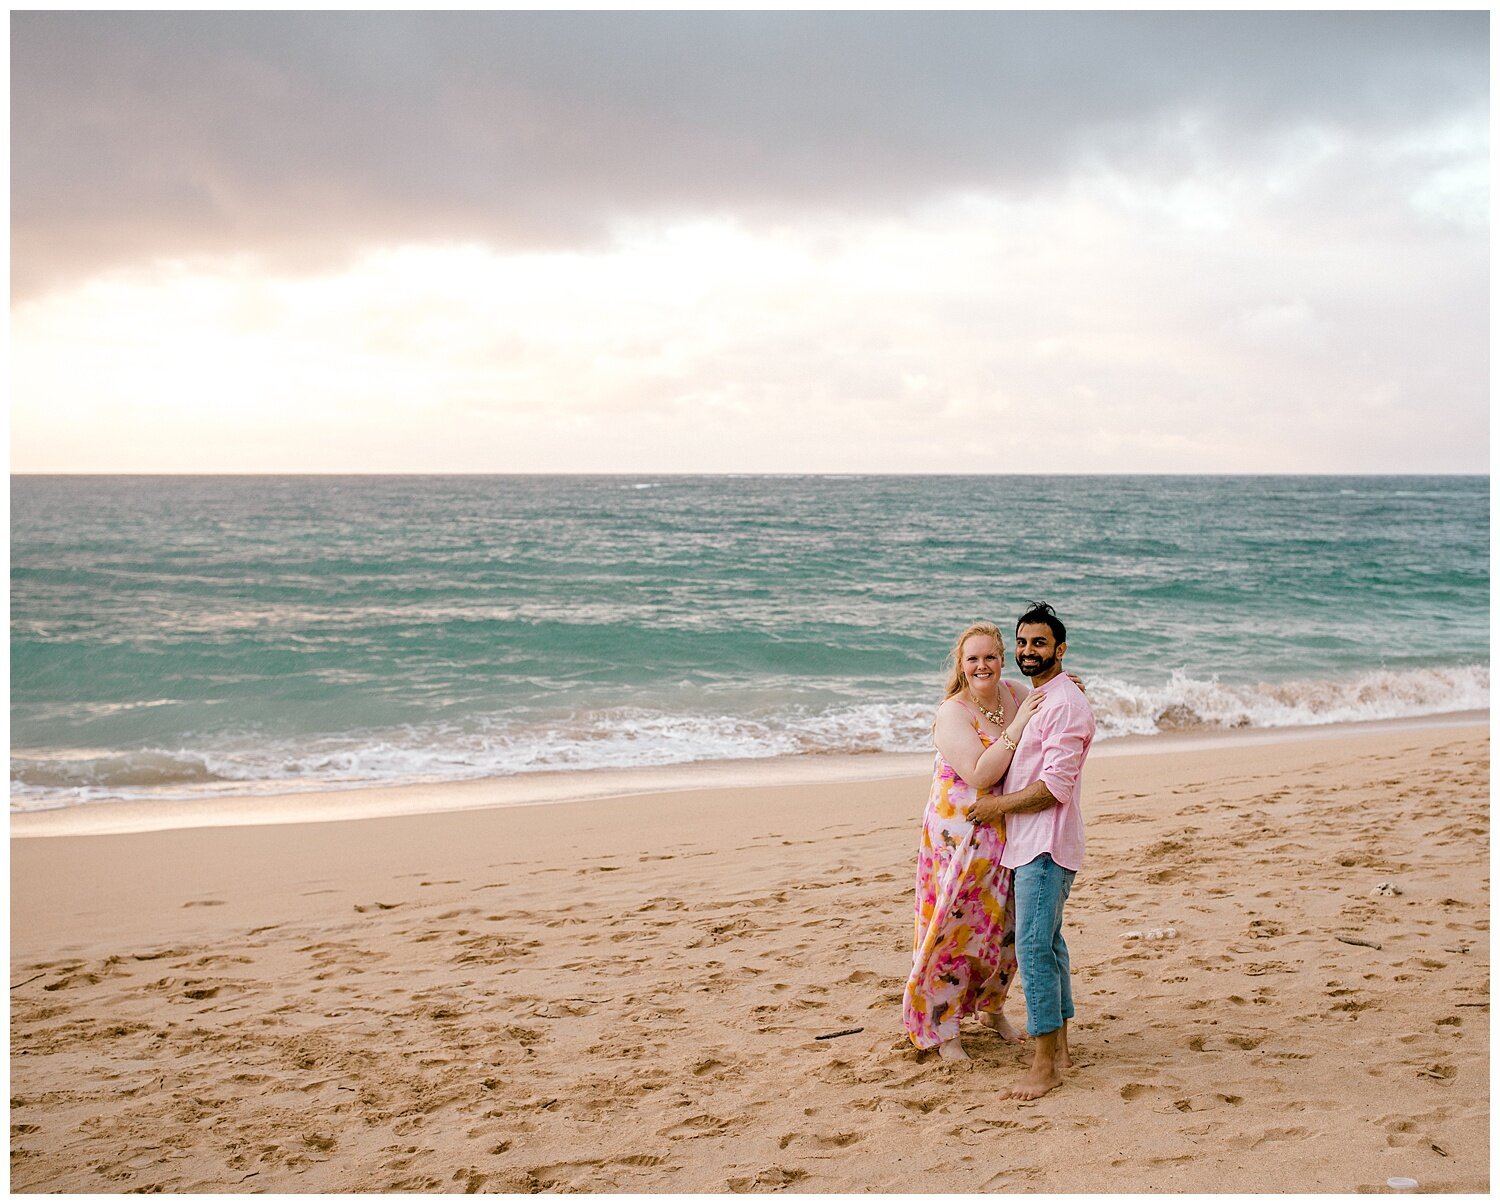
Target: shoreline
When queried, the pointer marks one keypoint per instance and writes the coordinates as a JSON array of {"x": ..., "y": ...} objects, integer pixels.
[{"x": 322, "y": 805}]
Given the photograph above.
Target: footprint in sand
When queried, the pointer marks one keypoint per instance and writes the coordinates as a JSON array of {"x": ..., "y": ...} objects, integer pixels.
[
  {"x": 1440, "y": 1071},
  {"x": 831, "y": 1141},
  {"x": 980, "y": 1125},
  {"x": 710, "y": 1066},
  {"x": 1207, "y": 1102},
  {"x": 642, "y": 1160},
  {"x": 1253, "y": 1141},
  {"x": 1348, "y": 1007},
  {"x": 70, "y": 981},
  {"x": 773, "y": 1178},
  {"x": 837, "y": 1141},
  {"x": 702, "y": 1124}
]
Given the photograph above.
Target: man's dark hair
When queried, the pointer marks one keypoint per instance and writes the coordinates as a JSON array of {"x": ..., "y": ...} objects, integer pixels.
[{"x": 1040, "y": 612}]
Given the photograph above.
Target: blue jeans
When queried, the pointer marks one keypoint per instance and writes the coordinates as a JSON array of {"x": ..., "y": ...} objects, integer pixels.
[{"x": 1041, "y": 887}]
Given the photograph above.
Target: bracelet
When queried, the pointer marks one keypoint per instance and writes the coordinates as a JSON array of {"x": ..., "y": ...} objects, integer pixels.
[{"x": 1006, "y": 740}]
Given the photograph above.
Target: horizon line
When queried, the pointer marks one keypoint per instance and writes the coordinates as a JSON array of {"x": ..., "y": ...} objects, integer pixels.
[{"x": 733, "y": 473}]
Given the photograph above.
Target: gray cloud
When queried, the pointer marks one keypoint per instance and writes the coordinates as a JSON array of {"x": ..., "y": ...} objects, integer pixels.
[{"x": 305, "y": 135}]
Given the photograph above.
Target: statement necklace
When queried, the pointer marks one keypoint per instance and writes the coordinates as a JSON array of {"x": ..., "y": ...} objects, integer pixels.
[{"x": 995, "y": 717}]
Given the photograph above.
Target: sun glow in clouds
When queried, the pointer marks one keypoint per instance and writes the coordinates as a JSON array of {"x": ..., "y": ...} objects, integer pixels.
[{"x": 1135, "y": 322}]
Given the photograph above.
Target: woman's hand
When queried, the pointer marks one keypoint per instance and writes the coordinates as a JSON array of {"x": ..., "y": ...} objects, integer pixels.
[
  {"x": 1024, "y": 712},
  {"x": 1078, "y": 681}
]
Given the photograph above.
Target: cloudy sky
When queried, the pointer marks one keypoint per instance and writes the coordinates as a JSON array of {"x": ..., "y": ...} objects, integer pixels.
[{"x": 750, "y": 242}]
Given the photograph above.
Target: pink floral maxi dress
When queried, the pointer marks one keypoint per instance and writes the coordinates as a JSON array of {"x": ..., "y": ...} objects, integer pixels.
[{"x": 964, "y": 949}]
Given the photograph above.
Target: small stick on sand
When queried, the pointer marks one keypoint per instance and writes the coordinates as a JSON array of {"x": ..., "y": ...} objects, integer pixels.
[
  {"x": 1357, "y": 940},
  {"x": 33, "y": 978},
  {"x": 843, "y": 1032}
]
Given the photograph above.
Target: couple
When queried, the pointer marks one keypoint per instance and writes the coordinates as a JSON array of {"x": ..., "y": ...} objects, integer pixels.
[{"x": 997, "y": 860}]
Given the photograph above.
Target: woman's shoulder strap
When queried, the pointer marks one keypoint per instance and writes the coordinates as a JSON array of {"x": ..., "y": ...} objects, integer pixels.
[{"x": 964, "y": 707}]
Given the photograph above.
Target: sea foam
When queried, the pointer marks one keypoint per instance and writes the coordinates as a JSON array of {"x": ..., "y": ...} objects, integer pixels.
[{"x": 627, "y": 737}]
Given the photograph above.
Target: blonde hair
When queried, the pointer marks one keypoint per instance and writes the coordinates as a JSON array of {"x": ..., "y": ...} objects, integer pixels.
[{"x": 957, "y": 681}]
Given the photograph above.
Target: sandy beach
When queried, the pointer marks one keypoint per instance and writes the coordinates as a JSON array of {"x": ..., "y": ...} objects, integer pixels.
[{"x": 1280, "y": 953}]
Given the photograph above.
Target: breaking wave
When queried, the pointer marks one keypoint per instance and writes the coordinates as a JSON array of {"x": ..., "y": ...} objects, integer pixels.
[{"x": 625, "y": 737}]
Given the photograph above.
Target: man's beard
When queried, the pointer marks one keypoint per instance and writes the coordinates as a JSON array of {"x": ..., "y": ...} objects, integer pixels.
[{"x": 1035, "y": 667}]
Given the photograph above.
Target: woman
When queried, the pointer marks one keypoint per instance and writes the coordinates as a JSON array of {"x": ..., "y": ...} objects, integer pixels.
[{"x": 964, "y": 952}]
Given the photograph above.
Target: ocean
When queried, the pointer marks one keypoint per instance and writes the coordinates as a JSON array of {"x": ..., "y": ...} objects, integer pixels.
[{"x": 179, "y": 637}]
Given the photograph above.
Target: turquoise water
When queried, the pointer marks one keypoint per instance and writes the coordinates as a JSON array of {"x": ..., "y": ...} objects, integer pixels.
[{"x": 201, "y": 635}]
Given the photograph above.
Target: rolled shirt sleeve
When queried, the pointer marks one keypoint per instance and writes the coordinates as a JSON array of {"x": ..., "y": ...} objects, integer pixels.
[{"x": 1064, "y": 750}]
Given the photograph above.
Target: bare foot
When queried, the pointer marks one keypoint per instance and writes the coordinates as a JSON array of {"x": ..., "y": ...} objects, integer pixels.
[
  {"x": 998, "y": 1023},
  {"x": 1063, "y": 1060},
  {"x": 952, "y": 1051},
  {"x": 1044, "y": 1074},
  {"x": 1038, "y": 1081}
]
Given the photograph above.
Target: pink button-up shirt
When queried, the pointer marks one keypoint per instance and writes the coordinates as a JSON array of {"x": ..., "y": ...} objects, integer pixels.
[{"x": 1051, "y": 750}]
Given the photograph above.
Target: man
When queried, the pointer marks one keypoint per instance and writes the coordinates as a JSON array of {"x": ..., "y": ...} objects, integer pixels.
[{"x": 1044, "y": 839}]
